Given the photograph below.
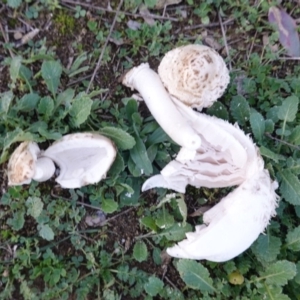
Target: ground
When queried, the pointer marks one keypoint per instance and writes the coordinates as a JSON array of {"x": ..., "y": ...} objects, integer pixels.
[{"x": 68, "y": 29}]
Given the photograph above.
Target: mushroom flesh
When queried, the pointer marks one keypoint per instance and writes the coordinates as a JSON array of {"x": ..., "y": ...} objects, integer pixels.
[{"x": 83, "y": 158}]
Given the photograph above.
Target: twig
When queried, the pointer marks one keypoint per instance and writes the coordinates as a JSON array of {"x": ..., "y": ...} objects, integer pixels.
[
  {"x": 136, "y": 15},
  {"x": 281, "y": 141},
  {"x": 171, "y": 283},
  {"x": 225, "y": 40},
  {"x": 105, "y": 45},
  {"x": 6, "y": 40},
  {"x": 118, "y": 215},
  {"x": 207, "y": 25}
]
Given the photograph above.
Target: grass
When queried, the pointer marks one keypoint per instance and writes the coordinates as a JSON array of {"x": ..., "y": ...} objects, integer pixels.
[{"x": 67, "y": 79}]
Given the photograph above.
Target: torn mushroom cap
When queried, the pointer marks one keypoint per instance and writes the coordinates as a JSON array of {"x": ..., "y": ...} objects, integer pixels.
[
  {"x": 83, "y": 158},
  {"x": 25, "y": 165},
  {"x": 195, "y": 74}
]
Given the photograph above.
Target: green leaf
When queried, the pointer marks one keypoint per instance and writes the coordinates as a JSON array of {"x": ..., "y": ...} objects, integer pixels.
[
  {"x": 279, "y": 273},
  {"x": 293, "y": 239},
  {"x": 46, "y": 232},
  {"x": 140, "y": 252},
  {"x": 51, "y": 72},
  {"x": 81, "y": 109},
  {"x": 182, "y": 208},
  {"x": 273, "y": 293},
  {"x": 290, "y": 187},
  {"x": 46, "y": 106},
  {"x": 266, "y": 248},
  {"x": 117, "y": 167},
  {"x": 121, "y": 138},
  {"x": 157, "y": 136},
  {"x": 195, "y": 275},
  {"x": 5, "y": 102},
  {"x": 153, "y": 286},
  {"x": 149, "y": 222},
  {"x": 15, "y": 68},
  {"x": 270, "y": 154},
  {"x": 240, "y": 109},
  {"x": 294, "y": 138},
  {"x": 28, "y": 102},
  {"x": 140, "y": 157},
  {"x": 164, "y": 219},
  {"x": 65, "y": 98},
  {"x": 176, "y": 232},
  {"x": 257, "y": 125},
  {"x": 218, "y": 110},
  {"x": 17, "y": 221},
  {"x": 287, "y": 111},
  {"x": 109, "y": 206},
  {"x": 34, "y": 206},
  {"x": 14, "y": 3}
]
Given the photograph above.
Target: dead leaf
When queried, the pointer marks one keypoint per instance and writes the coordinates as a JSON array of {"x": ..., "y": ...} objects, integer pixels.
[
  {"x": 146, "y": 15},
  {"x": 287, "y": 28},
  {"x": 162, "y": 3},
  {"x": 200, "y": 211}
]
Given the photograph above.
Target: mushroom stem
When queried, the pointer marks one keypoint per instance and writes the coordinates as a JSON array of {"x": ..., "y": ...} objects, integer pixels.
[
  {"x": 44, "y": 169},
  {"x": 149, "y": 85}
]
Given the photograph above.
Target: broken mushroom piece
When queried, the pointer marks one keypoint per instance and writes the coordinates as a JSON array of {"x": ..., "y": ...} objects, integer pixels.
[
  {"x": 195, "y": 74},
  {"x": 149, "y": 85},
  {"x": 231, "y": 226},
  {"x": 26, "y": 164},
  {"x": 83, "y": 158}
]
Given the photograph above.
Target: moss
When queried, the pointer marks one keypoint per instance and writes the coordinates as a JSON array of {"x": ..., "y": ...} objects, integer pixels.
[{"x": 64, "y": 22}]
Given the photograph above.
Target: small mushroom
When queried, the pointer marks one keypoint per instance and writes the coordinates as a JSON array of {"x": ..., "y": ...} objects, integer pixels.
[
  {"x": 26, "y": 164},
  {"x": 195, "y": 74},
  {"x": 83, "y": 158}
]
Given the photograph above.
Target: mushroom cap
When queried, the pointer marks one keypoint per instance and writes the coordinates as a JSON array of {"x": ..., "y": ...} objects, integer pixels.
[
  {"x": 21, "y": 165},
  {"x": 83, "y": 158},
  {"x": 195, "y": 74}
]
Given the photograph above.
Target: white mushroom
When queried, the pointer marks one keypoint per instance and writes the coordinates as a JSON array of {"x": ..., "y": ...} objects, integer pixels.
[
  {"x": 226, "y": 156},
  {"x": 194, "y": 74},
  {"x": 83, "y": 158},
  {"x": 149, "y": 85},
  {"x": 26, "y": 164},
  {"x": 231, "y": 226}
]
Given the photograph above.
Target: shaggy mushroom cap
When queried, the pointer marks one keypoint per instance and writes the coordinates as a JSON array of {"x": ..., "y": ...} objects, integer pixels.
[
  {"x": 21, "y": 165},
  {"x": 194, "y": 74},
  {"x": 83, "y": 158}
]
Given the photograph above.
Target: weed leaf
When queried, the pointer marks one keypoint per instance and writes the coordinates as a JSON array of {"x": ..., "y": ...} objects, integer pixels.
[
  {"x": 17, "y": 221},
  {"x": 293, "y": 239},
  {"x": 153, "y": 286},
  {"x": 149, "y": 222},
  {"x": 270, "y": 154},
  {"x": 176, "y": 232},
  {"x": 266, "y": 248},
  {"x": 121, "y": 138},
  {"x": 5, "y": 102},
  {"x": 14, "y": 3},
  {"x": 287, "y": 111},
  {"x": 140, "y": 157},
  {"x": 279, "y": 273},
  {"x": 46, "y": 106},
  {"x": 240, "y": 109},
  {"x": 109, "y": 206},
  {"x": 257, "y": 125},
  {"x": 287, "y": 28},
  {"x": 218, "y": 110},
  {"x": 28, "y": 102},
  {"x": 14, "y": 69},
  {"x": 51, "y": 72},
  {"x": 195, "y": 275},
  {"x": 294, "y": 138},
  {"x": 290, "y": 187},
  {"x": 46, "y": 232},
  {"x": 140, "y": 252},
  {"x": 81, "y": 109},
  {"x": 34, "y": 206}
]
